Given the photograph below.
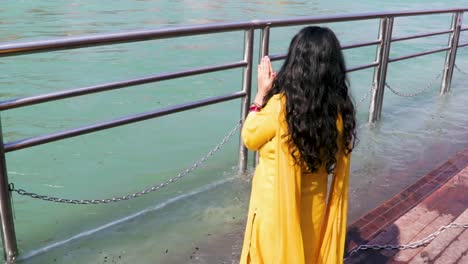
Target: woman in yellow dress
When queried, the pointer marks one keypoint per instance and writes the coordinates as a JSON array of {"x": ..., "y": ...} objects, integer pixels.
[{"x": 302, "y": 122}]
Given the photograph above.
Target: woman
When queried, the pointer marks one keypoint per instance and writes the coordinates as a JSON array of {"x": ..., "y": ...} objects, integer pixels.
[{"x": 302, "y": 122}]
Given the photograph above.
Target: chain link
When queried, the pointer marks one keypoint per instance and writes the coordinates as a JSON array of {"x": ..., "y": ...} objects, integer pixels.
[
  {"x": 460, "y": 70},
  {"x": 423, "y": 242},
  {"x": 363, "y": 98},
  {"x": 429, "y": 85},
  {"x": 137, "y": 194}
]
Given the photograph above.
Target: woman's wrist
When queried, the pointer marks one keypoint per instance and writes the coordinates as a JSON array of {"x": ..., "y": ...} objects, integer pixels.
[
  {"x": 259, "y": 99},
  {"x": 254, "y": 108}
]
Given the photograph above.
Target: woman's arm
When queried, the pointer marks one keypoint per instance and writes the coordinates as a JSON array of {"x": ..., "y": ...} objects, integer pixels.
[{"x": 260, "y": 126}]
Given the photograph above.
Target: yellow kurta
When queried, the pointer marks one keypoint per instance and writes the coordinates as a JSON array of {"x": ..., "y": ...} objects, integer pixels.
[{"x": 290, "y": 220}]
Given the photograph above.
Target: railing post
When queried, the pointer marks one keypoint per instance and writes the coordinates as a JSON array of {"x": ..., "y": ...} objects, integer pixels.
[
  {"x": 380, "y": 72},
  {"x": 10, "y": 249},
  {"x": 451, "y": 53},
  {"x": 265, "y": 42},
  {"x": 247, "y": 88},
  {"x": 264, "y": 51}
]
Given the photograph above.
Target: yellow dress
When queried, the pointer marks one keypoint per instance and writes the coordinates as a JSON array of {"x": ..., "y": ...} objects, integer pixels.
[{"x": 290, "y": 220}]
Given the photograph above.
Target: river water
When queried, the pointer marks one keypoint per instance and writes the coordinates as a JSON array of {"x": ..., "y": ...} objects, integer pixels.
[{"x": 414, "y": 135}]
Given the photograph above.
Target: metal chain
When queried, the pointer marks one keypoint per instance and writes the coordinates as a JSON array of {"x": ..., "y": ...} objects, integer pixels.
[
  {"x": 137, "y": 194},
  {"x": 429, "y": 85},
  {"x": 423, "y": 242},
  {"x": 460, "y": 70},
  {"x": 363, "y": 98}
]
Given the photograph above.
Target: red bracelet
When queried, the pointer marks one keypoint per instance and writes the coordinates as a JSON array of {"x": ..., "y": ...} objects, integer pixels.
[{"x": 254, "y": 108}]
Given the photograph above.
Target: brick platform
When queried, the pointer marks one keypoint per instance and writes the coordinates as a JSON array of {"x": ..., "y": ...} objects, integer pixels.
[{"x": 437, "y": 199}]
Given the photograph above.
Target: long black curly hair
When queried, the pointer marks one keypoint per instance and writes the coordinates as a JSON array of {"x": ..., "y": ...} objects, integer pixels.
[{"x": 313, "y": 80}]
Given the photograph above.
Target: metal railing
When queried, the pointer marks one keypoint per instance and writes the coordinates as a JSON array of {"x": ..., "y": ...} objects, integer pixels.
[{"x": 380, "y": 66}]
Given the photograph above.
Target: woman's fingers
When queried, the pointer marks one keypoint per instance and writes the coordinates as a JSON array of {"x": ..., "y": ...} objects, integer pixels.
[
  {"x": 265, "y": 65},
  {"x": 265, "y": 75},
  {"x": 268, "y": 64}
]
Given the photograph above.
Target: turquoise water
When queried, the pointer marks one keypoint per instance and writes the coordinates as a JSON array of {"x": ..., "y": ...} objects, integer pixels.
[{"x": 164, "y": 227}]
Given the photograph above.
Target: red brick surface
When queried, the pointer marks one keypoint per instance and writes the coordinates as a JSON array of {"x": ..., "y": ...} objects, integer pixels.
[
  {"x": 435, "y": 200},
  {"x": 436, "y": 249}
]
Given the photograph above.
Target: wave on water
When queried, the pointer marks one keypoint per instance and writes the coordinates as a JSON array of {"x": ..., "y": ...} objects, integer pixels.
[{"x": 124, "y": 219}]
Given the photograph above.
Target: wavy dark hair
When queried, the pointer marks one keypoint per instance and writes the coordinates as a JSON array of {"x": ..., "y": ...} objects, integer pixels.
[{"x": 313, "y": 80}]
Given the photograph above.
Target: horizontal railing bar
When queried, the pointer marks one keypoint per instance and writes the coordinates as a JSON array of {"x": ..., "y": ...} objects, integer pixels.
[
  {"x": 464, "y": 29},
  {"x": 322, "y": 19},
  {"x": 422, "y": 35},
  {"x": 34, "y": 141},
  {"x": 361, "y": 44},
  {"x": 19, "y": 102},
  {"x": 418, "y": 54},
  {"x": 362, "y": 67},
  {"x": 276, "y": 57},
  {"x": 116, "y": 38},
  {"x": 135, "y": 36},
  {"x": 463, "y": 45},
  {"x": 355, "y": 17}
]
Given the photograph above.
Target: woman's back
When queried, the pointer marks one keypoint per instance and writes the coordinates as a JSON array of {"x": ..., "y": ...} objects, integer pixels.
[
  {"x": 302, "y": 123},
  {"x": 287, "y": 202}
]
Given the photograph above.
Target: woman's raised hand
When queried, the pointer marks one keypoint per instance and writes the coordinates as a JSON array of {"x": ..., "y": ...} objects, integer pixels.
[{"x": 265, "y": 76}]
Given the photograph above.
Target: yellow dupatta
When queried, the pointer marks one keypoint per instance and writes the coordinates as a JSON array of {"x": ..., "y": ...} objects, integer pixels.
[{"x": 287, "y": 207}]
